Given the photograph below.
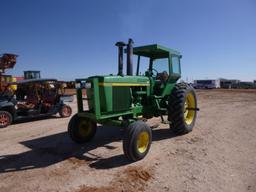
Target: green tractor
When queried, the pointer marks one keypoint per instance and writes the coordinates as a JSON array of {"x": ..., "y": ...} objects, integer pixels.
[{"x": 129, "y": 100}]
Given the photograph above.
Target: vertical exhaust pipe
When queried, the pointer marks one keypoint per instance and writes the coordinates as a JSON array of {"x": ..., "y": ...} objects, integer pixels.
[
  {"x": 129, "y": 57},
  {"x": 120, "y": 46}
]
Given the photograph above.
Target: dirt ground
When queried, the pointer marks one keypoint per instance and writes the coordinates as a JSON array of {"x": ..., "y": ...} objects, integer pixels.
[{"x": 219, "y": 155}]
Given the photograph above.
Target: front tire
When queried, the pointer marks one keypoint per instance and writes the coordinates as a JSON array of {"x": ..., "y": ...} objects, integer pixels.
[
  {"x": 137, "y": 140},
  {"x": 5, "y": 119},
  {"x": 81, "y": 129},
  {"x": 182, "y": 109},
  {"x": 65, "y": 111}
]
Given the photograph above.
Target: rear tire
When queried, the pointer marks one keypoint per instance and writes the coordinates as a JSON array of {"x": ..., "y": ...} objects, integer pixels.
[
  {"x": 137, "y": 140},
  {"x": 5, "y": 119},
  {"x": 81, "y": 129},
  {"x": 65, "y": 111},
  {"x": 182, "y": 108}
]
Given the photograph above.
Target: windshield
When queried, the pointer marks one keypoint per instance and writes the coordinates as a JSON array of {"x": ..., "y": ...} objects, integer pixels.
[
  {"x": 161, "y": 65},
  {"x": 143, "y": 65}
]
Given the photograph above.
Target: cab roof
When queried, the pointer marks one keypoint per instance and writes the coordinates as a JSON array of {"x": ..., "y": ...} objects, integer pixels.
[{"x": 154, "y": 51}]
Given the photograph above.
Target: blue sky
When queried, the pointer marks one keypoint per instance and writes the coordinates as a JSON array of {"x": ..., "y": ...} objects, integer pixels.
[{"x": 71, "y": 39}]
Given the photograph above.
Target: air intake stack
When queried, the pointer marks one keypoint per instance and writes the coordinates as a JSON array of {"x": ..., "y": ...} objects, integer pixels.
[
  {"x": 120, "y": 46},
  {"x": 129, "y": 57}
]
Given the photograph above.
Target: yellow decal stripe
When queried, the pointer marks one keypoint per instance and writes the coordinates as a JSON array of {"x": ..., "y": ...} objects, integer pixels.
[{"x": 123, "y": 84}]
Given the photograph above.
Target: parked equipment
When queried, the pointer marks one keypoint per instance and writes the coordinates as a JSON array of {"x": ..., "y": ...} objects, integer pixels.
[
  {"x": 7, "y": 61},
  {"x": 32, "y": 75},
  {"x": 32, "y": 98},
  {"x": 128, "y": 100}
]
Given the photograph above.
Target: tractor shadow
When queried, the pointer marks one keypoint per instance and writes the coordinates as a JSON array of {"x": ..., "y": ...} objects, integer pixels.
[
  {"x": 32, "y": 119},
  {"x": 121, "y": 160},
  {"x": 52, "y": 149}
]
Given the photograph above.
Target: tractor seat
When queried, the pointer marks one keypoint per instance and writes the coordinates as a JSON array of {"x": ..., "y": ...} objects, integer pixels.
[
  {"x": 163, "y": 77},
  {"x": 30, "y": 103},
  {"x": 49, "y": 98}
]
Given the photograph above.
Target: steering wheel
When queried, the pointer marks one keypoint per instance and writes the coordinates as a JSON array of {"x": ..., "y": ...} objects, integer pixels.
[{"x": 154, "y": 75}]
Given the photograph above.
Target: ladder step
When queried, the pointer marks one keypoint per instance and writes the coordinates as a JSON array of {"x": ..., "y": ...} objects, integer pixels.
[
  {"x": 158, "y": 97},
  {"x": 162, "y": 109}
]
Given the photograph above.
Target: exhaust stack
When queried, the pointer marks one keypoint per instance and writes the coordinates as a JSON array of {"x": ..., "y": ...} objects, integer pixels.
[
  {"x": 129, "y": 57},
  {"x": 120, "y": 46}
]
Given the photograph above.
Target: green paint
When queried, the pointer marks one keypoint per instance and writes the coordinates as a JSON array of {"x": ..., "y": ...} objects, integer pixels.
[{"x": 112, "y": 97}]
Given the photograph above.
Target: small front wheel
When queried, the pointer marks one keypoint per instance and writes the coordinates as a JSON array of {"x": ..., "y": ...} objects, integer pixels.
[
  {"x": 137, "y": 141},
  {"x": 65, "y": 111},
  {"x": 5, "y": 119},
  {"x": 81, "y": 129}
]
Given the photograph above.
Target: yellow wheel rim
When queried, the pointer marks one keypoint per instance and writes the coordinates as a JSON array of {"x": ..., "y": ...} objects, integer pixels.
[
  {"x": 190, "y": 102},
  {"x": 84, "y": 128},
  {"x": 143, "y": 141}
]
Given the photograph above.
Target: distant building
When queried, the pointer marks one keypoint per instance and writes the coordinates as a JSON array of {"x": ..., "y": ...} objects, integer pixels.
[
  {"x": 246, "y": 85},
  {"x": 224, "y": 83},
  {"x": 206, "y": 84},
  {"x": 229, "y": 83}
]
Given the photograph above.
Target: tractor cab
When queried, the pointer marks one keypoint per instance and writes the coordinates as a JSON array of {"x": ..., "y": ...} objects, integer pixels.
[
  {"x": 160, "y": 64},
  {"x": 32, "y": 75}
]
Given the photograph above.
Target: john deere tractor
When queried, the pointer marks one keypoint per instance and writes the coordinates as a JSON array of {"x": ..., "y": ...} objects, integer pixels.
[{"x": 129, "y": 100}]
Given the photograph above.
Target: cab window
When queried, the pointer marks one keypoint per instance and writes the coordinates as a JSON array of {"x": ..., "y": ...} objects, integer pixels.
[
  {"x": 161, "y": 65},
  {"x": 161, "y": 69},
  {"x": 143, "y": 65}
]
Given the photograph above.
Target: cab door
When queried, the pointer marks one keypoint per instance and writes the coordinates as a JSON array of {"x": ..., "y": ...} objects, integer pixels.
[
  {"x": 175, "y": 70},
  {"x": 161, "y": 74}
]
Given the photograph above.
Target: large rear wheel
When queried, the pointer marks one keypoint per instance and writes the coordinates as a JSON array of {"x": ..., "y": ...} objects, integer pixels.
[
  {"x": 137, "y": 141},
  {"x": 81, "y": 129},
  {"x": 182, "y": 108}
]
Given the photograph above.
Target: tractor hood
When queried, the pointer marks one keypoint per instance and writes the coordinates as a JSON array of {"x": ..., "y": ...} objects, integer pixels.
[
  {"x": 116, "y": 80},
  {"x": 114, "y": 93}
]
